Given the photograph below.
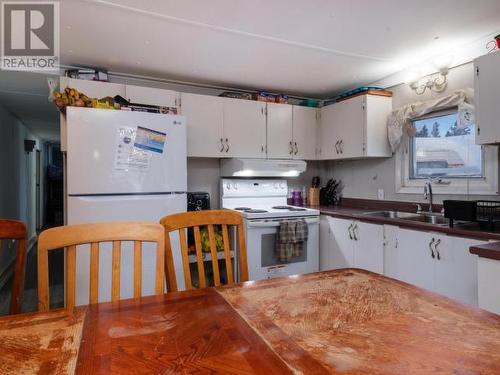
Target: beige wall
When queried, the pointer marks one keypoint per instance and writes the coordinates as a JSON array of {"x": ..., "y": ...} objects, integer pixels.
[
  {"x": 204, "y": 175},
  {"x": 363, "y": 178}
]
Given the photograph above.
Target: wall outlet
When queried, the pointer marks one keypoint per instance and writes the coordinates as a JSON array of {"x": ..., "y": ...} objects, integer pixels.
[{"x": 380, "y": 194}]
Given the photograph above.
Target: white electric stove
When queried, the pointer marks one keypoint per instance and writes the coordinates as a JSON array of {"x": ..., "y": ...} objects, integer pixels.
[{"x": 263, "y": 204}]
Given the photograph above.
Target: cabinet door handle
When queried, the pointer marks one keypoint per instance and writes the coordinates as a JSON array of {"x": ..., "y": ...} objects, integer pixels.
[
  {"x": 430, "y": 247},
  {"x": 290, "y": 148},
  {"x": 262, "y": 149},
  {"x": 340, "y": 146},
  {"x": 222, "y": 145},
  {"x": 349, "y": 230},
  {"x": 355, "y": 232},
  {"x": 227, "y": 145},
  {"x": 436, "y": 248},
  {"x": 296, "y": 149},
  {"x": 337, "y": 147}
]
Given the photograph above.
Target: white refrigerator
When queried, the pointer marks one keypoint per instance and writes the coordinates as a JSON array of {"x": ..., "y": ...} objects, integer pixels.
[{"x": 123, "y": 166}]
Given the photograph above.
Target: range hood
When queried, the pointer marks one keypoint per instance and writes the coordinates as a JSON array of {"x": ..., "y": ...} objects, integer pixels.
[{"x": 262, "y": 168}]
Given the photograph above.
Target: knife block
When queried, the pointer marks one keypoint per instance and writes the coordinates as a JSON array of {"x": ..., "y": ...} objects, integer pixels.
[{"x": 313, "y": 196}]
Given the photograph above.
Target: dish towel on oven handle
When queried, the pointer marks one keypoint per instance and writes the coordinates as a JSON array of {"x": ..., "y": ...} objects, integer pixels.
[{"x": 292, "y": 234}]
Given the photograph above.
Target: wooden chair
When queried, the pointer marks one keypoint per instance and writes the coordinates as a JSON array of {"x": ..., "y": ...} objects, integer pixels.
[
  {"x": 71, "y": 236},
  {"x": 209, "y": 218},
  {"x": 16, "y": 230}
]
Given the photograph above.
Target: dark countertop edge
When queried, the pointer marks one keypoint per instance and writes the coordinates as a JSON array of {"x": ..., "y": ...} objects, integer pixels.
[
  {"x": 357, "y": 214},
  {"x": 489, "y": 250}
]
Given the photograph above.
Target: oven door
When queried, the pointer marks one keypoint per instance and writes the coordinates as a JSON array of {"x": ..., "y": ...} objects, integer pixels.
[{"x": 263, "y": 259}]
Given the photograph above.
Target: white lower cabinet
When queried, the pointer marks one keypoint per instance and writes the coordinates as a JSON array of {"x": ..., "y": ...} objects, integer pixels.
[
  {"x": 432, "y": 261},
  {"x": 369, "y": 246},
  {"x": 325, "y": 240},
  {"x": 342, "y": 243},
  {"x": 346, "y": 243}
]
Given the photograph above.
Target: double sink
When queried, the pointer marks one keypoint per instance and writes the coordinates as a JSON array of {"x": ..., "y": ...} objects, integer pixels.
[{"x": 422, "y": 217}]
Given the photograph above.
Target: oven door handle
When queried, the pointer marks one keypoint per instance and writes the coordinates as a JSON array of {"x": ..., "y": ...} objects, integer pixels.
[{"x": 269, "y": 224}]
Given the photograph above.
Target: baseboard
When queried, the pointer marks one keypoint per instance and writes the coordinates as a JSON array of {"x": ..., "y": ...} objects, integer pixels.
[{"x": 8, "y": 271}]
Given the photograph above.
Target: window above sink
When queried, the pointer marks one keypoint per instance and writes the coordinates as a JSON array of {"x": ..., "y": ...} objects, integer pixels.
[{"x": 441, "y": 151}]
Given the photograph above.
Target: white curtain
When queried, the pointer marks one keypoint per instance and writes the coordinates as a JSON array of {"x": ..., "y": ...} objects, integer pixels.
[{"x": 399, "y": 121}]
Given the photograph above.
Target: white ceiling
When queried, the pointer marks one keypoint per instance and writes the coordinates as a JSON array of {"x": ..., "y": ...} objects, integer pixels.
[
  {"x": 25, "y": 95},
  {"x": 311, "y": 48},
  {"x": 307, "y": 48}
]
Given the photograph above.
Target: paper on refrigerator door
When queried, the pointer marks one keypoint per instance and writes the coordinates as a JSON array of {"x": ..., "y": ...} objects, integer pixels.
[
  {"x": 149, "y": 140},
  {"x": 128, "y": 157}
]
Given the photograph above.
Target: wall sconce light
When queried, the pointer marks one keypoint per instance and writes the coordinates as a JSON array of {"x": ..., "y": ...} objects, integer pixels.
[{"x": 434, "y": 82}]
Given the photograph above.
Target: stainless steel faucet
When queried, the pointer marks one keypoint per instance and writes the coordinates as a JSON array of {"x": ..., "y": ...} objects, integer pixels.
[{"x": 428, "y": 193}]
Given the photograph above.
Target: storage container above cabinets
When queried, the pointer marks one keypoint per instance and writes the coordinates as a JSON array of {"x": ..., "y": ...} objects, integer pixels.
[
  {"x": 355, "y": 128},
  {"x": 487, "y": 97}
]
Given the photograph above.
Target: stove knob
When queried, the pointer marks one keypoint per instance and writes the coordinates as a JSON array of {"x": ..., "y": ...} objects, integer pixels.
[
  {"x": 282, "y": 185},
  {"x": 235, "y": 186},
  {"x": 275, "y": 185},
  {"x": 228, "y": 186}
]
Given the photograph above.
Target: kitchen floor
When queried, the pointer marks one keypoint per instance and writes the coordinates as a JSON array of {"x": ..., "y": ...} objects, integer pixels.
[{"x": 30, "y": 299}]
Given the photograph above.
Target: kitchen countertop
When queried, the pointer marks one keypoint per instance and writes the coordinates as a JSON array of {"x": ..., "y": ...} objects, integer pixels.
[
  {"x": 490, "y": 250},
  {"x": 469, "y": 230}
]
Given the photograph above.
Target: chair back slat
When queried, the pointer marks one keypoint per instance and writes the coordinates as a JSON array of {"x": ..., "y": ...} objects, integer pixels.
[
  {"x": 199, "y": 257},
  {"x": 242, "y": 258},
  {"x": 185, "y": 258},
  {"x": 70, "y": 276},
  {"x": 227, "y": 254},
  {"x": 115, "y": 271},
  {"x": 71, "y": 236},
  {"x": 15, "y": 230},
  {"x": 213, "y": 253},
  {"x": 169, "y": 266},
  {"x": 94, "y": 272},
  {"x": 160, "y": 269},
  {"x": 138, "y": 268},
  {"x": 206, "y": 219}
]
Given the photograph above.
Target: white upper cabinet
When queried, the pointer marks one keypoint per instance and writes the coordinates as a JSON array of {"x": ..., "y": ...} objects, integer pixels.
[
  {"x": 291, "y": 132},
  {"x": 152, "y": 96},
  {"x": 327, "y": 136},
  {"x": 244, "y": 128},
  {"x": 487, "y": 97},
  {"x": 304, "y": 132},
  {"x": 355, "y": 128},
  {"x": 280, "y": 131},
  {"x": 204, "y": 119}
]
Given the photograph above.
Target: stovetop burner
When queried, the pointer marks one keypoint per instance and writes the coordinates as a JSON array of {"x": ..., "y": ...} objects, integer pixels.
[
  {"x": 281, "y": 207},
  {"x": 242, "y": 208},
  {"x": 255, "y": 211},
  {"x": 297, "y": 209}
]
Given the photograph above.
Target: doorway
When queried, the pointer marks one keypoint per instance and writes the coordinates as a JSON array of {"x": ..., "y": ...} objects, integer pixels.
[{"x": 38, "y": 192}]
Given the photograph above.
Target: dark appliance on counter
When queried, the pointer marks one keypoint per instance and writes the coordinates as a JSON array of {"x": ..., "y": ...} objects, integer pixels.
[
  {"x": 197, "y": 201},
  {"x": 459, "y": 210},
  {"x": 483, "y": 212}
]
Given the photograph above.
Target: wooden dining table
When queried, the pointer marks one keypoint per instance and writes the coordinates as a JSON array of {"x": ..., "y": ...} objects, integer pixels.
[{"x": 336, "y": 322}]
